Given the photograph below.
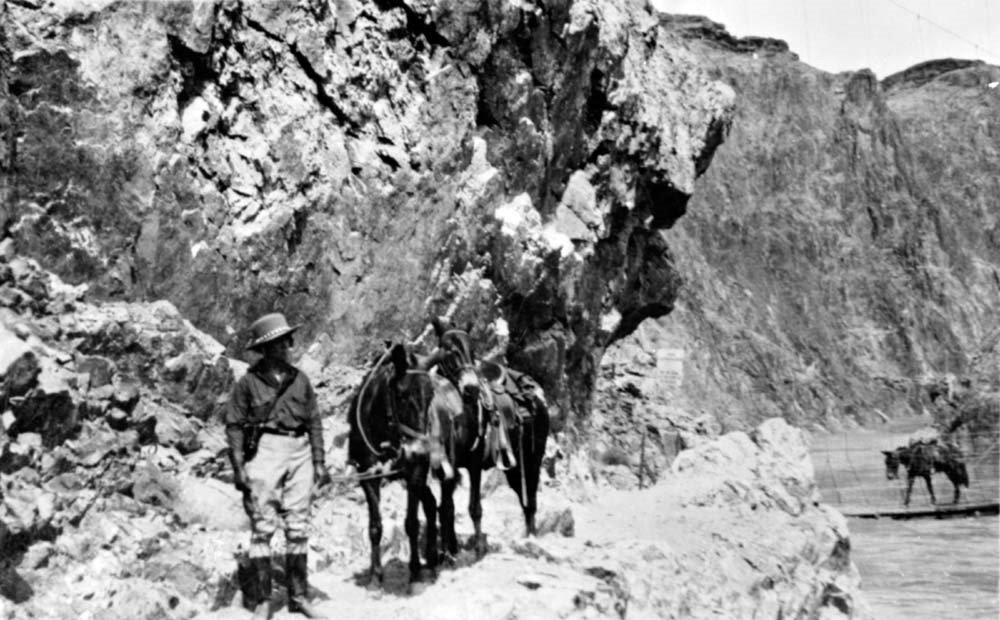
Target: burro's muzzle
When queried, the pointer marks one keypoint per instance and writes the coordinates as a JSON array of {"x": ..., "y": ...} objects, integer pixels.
[
  {"x": 891, "y": 464},
  {"x": 428, "y": 452},
  {"x": 468, "y": 384}
]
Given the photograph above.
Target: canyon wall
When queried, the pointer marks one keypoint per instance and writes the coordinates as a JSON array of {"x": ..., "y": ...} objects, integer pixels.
[
  {"x": 840, "y": 255},
  {"x": 363, "y": 166}
]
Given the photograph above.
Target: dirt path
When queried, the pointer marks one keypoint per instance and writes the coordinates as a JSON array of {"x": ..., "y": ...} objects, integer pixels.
[{"x": 643, "y": 550}]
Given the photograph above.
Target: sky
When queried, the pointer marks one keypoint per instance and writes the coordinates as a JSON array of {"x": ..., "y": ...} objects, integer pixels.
[{"x": 885, "y": 36}]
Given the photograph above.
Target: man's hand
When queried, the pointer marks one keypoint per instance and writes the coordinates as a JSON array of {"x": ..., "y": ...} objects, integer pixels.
[{"x": 321, "y": 475}]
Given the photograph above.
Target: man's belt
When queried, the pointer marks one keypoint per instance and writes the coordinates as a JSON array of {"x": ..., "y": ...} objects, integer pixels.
[{"x": 284, "y": 433}]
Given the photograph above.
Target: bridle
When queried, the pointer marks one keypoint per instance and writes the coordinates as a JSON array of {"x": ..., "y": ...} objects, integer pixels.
[
  {"x": 414, "y": 401},
  {"x": 456, "y": 359},
  {"x": 393, "y": 406}
]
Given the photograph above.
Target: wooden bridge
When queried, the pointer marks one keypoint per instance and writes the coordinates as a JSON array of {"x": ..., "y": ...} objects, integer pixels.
[
  {"x": 850, "y": 473},
  {"x": 938, "y": 511}
]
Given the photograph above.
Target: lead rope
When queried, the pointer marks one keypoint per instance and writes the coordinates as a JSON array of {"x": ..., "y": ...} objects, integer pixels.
[
  {"x": 479, "y": 424},
  {"x": 520, "y": 457}
]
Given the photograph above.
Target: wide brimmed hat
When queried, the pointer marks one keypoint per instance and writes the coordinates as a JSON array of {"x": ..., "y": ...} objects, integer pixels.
[{"x": 269, "y": 327}]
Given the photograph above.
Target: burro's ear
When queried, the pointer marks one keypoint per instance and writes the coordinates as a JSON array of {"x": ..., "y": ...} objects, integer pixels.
[
  {"x": 399, "y": 360},
  {"x": 888, "y": 452},
  {"x": 439, "y": 326}
]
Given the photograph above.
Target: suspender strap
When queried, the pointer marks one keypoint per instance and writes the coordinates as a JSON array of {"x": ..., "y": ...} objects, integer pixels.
[{"x": 278, "y": 399}]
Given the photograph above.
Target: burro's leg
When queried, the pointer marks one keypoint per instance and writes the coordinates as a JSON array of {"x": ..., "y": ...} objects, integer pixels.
[
  {"x": 430, "y": 517},
  {"x": 446, "y": 512},
  {"x": 930, "y": 488},
  {"x": 532, "y": 468},
  {"x": 476, "y": 510},
  {"x": 524, "y": 478},
  {"x": 372, "y": 491},
  {"x": 412, "y": 527},
  {"x": 516, "y": 478},
  {"x": 533, "y": 437}
]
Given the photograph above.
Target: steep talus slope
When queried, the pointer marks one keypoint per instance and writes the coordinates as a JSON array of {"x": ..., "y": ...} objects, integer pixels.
[
  {"x": 363, "y": 165},
  {"x": 842, "y": 250}
]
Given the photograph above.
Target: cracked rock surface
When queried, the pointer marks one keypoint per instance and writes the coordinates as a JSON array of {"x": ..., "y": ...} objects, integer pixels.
[{"x": 345, "y": 162}]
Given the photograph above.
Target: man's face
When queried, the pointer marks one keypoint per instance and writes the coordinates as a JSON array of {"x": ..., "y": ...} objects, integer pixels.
[{"x": 277, "y": 350}]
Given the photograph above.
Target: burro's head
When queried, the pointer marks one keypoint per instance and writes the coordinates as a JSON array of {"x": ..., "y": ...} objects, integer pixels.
[
  {"x": 455, "y": 357},
  {"x": 891, "y": 464}
]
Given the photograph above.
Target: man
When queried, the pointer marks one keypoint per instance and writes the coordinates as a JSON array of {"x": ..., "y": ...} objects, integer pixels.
[{"x": 274, "y": 407}]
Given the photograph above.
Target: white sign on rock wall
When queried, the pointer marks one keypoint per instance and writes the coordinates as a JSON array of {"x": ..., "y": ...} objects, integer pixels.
[{"x": 670, "y": 369}]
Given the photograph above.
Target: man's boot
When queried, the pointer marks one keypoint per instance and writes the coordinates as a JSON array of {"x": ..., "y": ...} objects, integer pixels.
[
  {"x": 262, "y": 570},
  {"x": 297, "y": 570}
]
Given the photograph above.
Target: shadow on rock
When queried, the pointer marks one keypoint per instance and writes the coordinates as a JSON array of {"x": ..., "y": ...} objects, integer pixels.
[
  {"x": 396, "y": 572},
  {"x": 244, "y": 579},
  {"x": 395, "y": 578},
  {"x": 13, "y": 587}
]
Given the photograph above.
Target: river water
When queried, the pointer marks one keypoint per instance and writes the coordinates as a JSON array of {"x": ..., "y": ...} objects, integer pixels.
[
  {"x": 923, "y": 569},
  {"x": 918, "y": 568}
]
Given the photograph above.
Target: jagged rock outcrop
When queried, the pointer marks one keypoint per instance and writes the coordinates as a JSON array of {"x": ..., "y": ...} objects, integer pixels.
[
  {"x": 841, "y": 253},
  {"x": 349, "y": 163},
  {"x": 84, "y": 389}
]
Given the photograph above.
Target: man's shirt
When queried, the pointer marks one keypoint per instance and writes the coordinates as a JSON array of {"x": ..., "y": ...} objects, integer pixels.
[{"x": 252, "y": 400}]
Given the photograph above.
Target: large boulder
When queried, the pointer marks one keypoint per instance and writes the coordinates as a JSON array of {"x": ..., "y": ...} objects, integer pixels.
[
  {"x": 19, "y": 365},
  {"x": 211, "y": 503},
  {"x": 771, "y": 470},
  {"x": 37, "y": 389},
  {"x": 27, "y": 512},
  {"x": 171, "y": 426}
]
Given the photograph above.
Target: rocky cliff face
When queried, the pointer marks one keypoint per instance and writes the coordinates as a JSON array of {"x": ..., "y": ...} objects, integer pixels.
[
  {"x": 362, "y": 166},
  {"x": 842, "y": 251}
]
